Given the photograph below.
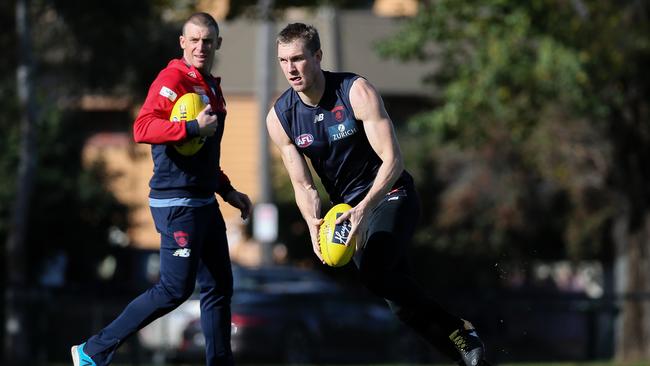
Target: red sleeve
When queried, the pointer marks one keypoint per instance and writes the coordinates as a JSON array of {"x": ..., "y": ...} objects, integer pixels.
[{"x": 152, "y": 126}]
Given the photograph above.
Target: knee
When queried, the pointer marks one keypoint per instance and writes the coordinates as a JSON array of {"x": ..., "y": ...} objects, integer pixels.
[
  {"x": 373, "y": 281},
  {"x": 177, "y": 294},
  {"x": 402, "y": 313},
  {"x": 216, "y": 295}
]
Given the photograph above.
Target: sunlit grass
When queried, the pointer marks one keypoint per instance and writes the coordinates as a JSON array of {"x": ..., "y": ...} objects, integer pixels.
[{"x": 602, "y": 363}]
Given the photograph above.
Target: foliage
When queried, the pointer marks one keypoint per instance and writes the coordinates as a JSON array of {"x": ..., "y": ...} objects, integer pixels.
[
  {"x": 79, "y": 47},
  {"x": 520, "y": 140},
  {"x": 249, "y": 8}
]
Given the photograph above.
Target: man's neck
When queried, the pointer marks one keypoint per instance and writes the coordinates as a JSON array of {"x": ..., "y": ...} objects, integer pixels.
[
  {"x": 203, "y": 73},
  {"x": 313, "y": 96}
]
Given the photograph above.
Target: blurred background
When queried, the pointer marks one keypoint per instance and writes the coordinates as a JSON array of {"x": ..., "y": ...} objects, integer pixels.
[{"x": 525, "y": 124}]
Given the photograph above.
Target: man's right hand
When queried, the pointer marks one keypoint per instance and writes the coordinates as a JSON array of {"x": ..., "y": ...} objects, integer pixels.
[
  {"x": 314, "y": 227},
  {"x": 207, "y": 122}
]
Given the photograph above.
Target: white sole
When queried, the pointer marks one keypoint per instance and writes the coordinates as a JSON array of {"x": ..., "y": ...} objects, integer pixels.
[{"x": 75, "y": 355}]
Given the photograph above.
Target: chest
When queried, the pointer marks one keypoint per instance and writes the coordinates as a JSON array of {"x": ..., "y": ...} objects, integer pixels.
[
  {"x": 210, "y": 94},
  {"x": 322, "y": 130}
]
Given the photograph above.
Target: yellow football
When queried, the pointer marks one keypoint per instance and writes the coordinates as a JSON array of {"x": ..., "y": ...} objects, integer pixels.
[
  {"x": 187, "y": 108},
  {"x": 333, "y": 237}
]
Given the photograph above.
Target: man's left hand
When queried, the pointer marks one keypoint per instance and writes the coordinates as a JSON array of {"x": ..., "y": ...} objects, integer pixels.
[
  {"x": 356, "y": 215},
  {"x": 241, "y": 201}
]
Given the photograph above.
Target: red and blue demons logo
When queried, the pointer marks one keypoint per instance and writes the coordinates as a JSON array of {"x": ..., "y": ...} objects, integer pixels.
[
  {"x": 304, "y": 140},
  {"x": 339, "y": 113},
  {"x": 182, "y": 238}
]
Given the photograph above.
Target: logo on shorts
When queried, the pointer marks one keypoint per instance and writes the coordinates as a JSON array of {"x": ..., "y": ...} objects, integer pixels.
[
  {"x": 304, "y": 140},
  {"x": 181, "y": 238},
  {"x": 183, "y": 253}
]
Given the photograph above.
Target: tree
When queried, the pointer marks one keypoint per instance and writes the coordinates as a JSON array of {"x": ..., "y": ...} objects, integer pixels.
[
  {"x": 70, "y": 210},
  {"x": 541, "y": 133}
]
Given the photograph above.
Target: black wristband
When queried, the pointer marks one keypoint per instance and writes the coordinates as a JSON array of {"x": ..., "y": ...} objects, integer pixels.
[{"x": 192, "y": 128}]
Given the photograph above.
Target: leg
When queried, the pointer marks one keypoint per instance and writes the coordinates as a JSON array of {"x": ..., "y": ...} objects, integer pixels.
[
  {"x": 384, "y": 269},
  {"x": 178, "y": 265},
  {"x": 215, "y": 280}
]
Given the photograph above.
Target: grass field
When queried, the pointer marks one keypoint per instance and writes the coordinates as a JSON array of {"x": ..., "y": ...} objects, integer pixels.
[{"x": 503, "y": 364}]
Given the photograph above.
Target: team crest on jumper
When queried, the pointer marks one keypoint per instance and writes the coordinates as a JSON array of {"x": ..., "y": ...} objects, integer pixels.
[
  {"x": 339, "y": 113},
  {"x": 181, "y": 238},
  {"x": 341, "y": 130}
]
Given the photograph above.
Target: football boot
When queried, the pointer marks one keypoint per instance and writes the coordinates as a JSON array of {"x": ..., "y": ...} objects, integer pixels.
[{"x": 468, "y": 344}]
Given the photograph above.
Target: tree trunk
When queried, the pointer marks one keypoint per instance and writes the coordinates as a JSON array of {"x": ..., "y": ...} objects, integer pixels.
[{"x": 633, "y": 286}]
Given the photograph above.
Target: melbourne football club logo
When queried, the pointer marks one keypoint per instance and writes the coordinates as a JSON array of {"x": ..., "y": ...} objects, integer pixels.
[
  {"x": 339, "y": 113},
  {"x": 341, "y": 130},
  {"x": 182, "y": 238},
  {"x": 304, "y": 140}
]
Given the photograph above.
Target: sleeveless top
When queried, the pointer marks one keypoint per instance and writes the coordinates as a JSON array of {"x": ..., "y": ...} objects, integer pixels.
[{"x": 333, "y": 140}]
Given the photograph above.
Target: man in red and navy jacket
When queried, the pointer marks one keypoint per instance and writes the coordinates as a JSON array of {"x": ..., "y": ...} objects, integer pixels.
[{"x": 194, "y": 248}]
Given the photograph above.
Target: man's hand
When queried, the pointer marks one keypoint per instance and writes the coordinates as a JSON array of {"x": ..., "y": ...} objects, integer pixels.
[
  {"x": 314, "y": 227},
  {"x": 207, "y": 122},
  {"x": 241, "y": 201},
  {"x": 357, "y": 216}
]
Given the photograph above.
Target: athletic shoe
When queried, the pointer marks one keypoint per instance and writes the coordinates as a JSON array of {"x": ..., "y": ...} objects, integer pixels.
[
  {"x": 79, "y": 357},
  {"x": 468, "y": 344}
]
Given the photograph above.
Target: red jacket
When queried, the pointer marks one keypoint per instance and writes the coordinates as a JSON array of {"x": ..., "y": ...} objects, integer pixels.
[{"x": 176, "y": 175}]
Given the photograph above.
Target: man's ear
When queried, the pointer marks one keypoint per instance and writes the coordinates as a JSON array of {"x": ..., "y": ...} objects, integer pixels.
[
  {"x": 181, "y": 41},
  {"x": 218, "y": 45},
  {"x": 319, "y": 55}
]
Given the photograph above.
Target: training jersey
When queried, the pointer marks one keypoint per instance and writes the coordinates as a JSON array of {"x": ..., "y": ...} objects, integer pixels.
[
  {"x": 177, "y": 176},
  {"x": 333, "y": 140}
]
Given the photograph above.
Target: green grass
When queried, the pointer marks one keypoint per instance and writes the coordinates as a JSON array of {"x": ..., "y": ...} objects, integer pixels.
[{"x": 601, "y": 363}]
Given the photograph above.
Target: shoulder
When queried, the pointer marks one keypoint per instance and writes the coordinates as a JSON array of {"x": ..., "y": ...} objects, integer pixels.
[
  {"x": 285, "y": 101},
  {"x": 170, "y": 76},
  {"x": 341, "y": 80}
]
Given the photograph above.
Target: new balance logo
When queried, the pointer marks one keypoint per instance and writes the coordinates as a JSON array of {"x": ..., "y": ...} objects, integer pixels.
[
  {"x": 473, "y": 334},
  {"x": 183, "y": 252}
]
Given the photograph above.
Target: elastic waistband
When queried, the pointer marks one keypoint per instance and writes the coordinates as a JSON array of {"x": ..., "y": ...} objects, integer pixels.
[{"x": 187, "y": 202}]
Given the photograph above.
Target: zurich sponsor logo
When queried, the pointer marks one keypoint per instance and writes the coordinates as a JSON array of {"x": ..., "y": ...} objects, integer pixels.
[
  {"x": 342, "y": 130},
  {"x": 304, "y": 140}
]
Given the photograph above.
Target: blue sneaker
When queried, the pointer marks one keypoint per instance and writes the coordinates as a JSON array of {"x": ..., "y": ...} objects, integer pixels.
[{"x": 79, "y": 357}]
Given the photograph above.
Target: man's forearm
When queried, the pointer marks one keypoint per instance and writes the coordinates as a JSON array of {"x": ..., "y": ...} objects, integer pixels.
[
  {"x": 308, "y": 202},
  {"x": 387, "y": 175}
]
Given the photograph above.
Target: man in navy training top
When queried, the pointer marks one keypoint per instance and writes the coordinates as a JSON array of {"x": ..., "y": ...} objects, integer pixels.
[
  {"x": 193, "y": 244},
  {"x": 339, "y": 122}
]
